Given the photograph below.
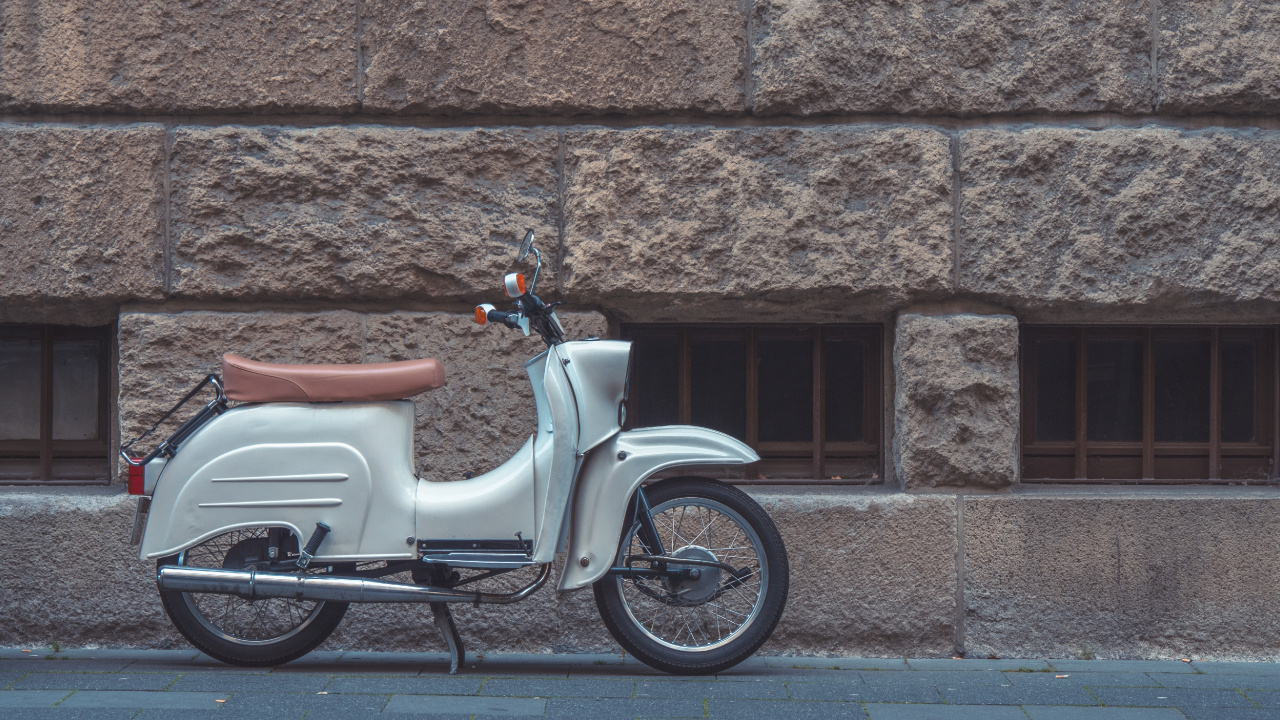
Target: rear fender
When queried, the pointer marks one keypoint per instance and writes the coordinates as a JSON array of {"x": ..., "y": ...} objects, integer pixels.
[{"x": 610, "y": 476}]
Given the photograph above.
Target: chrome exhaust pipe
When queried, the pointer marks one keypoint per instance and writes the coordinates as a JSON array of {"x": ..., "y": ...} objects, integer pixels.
[{"x": 255, "y": 585}]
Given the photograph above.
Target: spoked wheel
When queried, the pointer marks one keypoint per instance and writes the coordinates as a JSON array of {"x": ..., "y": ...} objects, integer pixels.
[
  {"x": 265, "y": 631},
  {"x": 713, "y": 618}
]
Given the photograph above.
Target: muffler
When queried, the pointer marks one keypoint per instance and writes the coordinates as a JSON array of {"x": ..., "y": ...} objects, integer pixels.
[{"x": 254, "y": 585}]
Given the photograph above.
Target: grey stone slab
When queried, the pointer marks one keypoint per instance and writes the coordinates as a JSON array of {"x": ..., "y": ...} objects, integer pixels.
[
  {"x": 31, "y": 698},
  {"x": 617, "y": 709},
  {"x": 287, "y": 704},
  {"x": 1232, "y": 713},
  {"x": 1265, "y": 698},
  {"x": 976, "y": 664},
  {"x": 9, "y": 678},
  {"x": 936, "y": 677},
  {"x": 515, "y": 666},
  {"x": 837, "y": 663},
  {"x": 1234, "y": 682},
  {"x": 1102, "y": 713},
  {"x": 59, "y": 713},
  {"x": 1020, "y": 695},
  {"x": 878, "y": 711},
  {"x": 406, "y": 685},
  {"x": 851, "y": 692},
  {"x": 274, "y": 682},
  {"x": 1114, "y": 666},
  {"x": 1230, "y": 668},
  {"x": 40, "y": 664},
  {"x": 755, "y": 690},
  {"x": 555, "y": 687},
  {"x": 469, "y": 705},
  {"x": 198, "y": 662},
  {"x": 144, "y": 699},
  {"x": 1086, "y": 679},
  {"x": 95, "y": 681},
  {"x": 772, "y": 674},
  {"x": 1172, "y": 697},
  {"x": 789, "y": 710}
]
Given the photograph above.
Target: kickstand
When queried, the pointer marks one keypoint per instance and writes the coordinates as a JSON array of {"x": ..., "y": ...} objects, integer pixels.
[{"x": 444, "y": 621}]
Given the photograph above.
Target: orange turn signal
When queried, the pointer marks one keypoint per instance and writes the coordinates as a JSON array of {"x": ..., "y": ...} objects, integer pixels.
[
  {"x": 482, "y": 313},
  {"x": 515, "y": 284}
]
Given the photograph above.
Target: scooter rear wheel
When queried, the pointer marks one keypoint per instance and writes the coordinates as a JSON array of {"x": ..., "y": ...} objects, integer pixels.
[
  {"x": 708, "y": 623},
  {"x": 257, "y": 633}
]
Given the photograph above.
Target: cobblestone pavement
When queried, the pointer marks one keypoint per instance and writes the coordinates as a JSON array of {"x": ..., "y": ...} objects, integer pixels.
[{"x": 184, "y": 685}]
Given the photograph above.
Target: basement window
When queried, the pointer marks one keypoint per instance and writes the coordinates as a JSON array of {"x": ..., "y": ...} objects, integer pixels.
[
  {"x": 53, "y": 389},
  {"x": 1154, "y": 404},
  {"x": 805, "y": 398}
]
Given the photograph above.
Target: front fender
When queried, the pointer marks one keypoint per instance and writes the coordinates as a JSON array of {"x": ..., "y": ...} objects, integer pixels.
[{"x": 611, "y": 474}]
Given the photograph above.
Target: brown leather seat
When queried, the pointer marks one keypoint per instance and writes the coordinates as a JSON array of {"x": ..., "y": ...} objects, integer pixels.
[{"x": 249, "y": 381}]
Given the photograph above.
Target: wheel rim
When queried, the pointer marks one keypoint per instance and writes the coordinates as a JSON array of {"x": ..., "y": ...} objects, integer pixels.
[
  {"x": 696, "y": 528},
  {"x": 234, "y": 619}
]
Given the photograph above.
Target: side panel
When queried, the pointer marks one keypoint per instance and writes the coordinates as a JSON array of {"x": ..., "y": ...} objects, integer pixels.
[
  {"x": 293, "y": 465},
  {"x": 493, "y": 506},
  {"x": 606, "y": 484},
  {"x": 598, "y": 371},
  {"x": 551, "y": 500}
]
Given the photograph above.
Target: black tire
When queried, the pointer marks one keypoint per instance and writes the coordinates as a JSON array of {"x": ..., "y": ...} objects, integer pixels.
[
  {"x": 271, "y": 643},
  {"x": 715, "y": 505}
]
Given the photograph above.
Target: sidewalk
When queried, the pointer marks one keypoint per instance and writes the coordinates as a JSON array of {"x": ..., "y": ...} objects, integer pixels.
[{"x": 184, "y": 685}]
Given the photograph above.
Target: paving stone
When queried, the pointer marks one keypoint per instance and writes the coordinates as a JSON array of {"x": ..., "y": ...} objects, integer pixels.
[
  {"x": 935, "y": 677},
  {"x": 1230, "y": 668},
  {"x": 757, "y": 690},
  {"x": 923, "y": 692},
  {"x": 275, "y": 682},
  {"x": 975, "y": 664},
  {"x": 1172, "y": 697},
  {"x": 879, "y": 711},
  {"x": 1101, "y": 713},
  {"x": 791, "y": 710},
  {"x": 9, "y": 678},
  {"x": 1115, "y": 666},
  {"x": 1020, "y": 695},
  {"x": 95, "y": 681},
  {"x": 1087, "y": 679},
  {"x": 285, "y": 704},
  {"x": 31, "y": 698},
  {"x": 450, "y": 704},
  {"x": 617, "y": 709},
  {"x": 406, "y": 685},
  {"x": 41, "y": 665},
  {"x": 144, "y": 699},
  {"x": 1234, "y": 682},
  {"x": 1265, "y": 698},
  {"x": 1232, "y": 713},
  {"x": 547, "y": 687},
  {"x": 838, "y": 663},
  {"x": 60, "y": 713}
]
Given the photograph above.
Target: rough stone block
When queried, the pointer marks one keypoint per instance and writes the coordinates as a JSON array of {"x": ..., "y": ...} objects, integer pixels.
[
  {"x": 1156, "y": 574},
  {"x": 474, "y": 423},
  {"x": 152, "y": 56},
  {"x": 81, "y": 217},
  {"x": 368, "y": 213},
  {"x": 554, "y": 56},
  {"x": 1218, "y": 56},
  {"x": 956, "y": 402},
  {"x": 486, "y": 411},
  {"x": 872, "y": 573},
  {"x": 951, "y": 58},
  {"x": 668, "y": 224},
  {"x": 1056, "y": 219}
]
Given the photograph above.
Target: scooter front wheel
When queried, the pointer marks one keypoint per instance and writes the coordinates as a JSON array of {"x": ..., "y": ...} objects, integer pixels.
[
  {"x": 238, "y": 631},
  {"x": 716, "y": 611}
]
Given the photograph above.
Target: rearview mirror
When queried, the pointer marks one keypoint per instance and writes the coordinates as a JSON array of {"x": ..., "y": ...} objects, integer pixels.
[{"x": 525, "y": 245}]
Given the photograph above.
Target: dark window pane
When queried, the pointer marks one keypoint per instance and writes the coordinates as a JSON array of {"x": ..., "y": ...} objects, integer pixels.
[
  {"x": 1237, "y": 390},
  {"x": 1055, "y": 391},
  {"x": 1115, "y": 390},
  {"x": 718, "y": 380},
  {"x": 655, "y": 382},
  {"x": 20, "y": 389},
  {"x": 842, "y": 361},
  {"x": 75, "y": 390},
  {"x": 1182, "y": 390},
  {"x": 786, "y": 390}
]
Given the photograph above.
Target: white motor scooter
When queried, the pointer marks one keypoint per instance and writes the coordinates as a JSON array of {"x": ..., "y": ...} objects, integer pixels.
[{"x": 268, "y": 517}]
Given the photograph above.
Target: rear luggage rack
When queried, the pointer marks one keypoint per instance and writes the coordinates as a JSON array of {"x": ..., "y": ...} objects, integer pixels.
[{"x": 169, "y": 447}]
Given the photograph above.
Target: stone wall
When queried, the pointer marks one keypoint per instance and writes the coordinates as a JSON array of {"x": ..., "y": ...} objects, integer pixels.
[{"x": 341, "y": 180}]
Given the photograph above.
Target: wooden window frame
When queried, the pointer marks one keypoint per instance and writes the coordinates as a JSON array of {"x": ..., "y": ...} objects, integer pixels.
[
  {"x": 1156, "y": 458},
  {"x": 48, "y": 450},
  {"x": 818, "y": 450}
]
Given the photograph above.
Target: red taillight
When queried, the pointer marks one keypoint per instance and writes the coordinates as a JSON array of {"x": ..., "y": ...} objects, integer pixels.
[{"x": 136, "y": 477}]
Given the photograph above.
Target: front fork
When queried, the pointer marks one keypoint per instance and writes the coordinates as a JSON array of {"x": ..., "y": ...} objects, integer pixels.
[{"x": 640, "y": 513}]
